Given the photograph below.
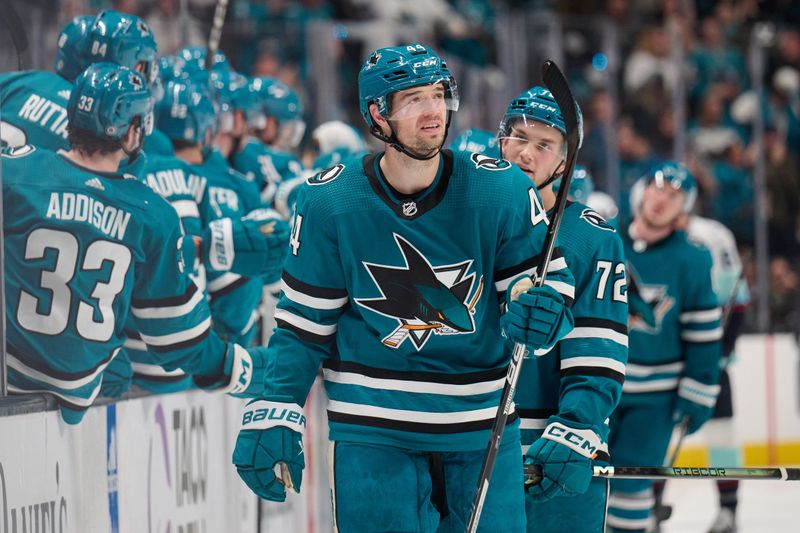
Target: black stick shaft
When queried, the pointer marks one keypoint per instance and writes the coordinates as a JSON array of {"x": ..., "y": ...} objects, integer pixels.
[
  {"x": 533, "y": 473},
  {"x": 555, "y": 81}
]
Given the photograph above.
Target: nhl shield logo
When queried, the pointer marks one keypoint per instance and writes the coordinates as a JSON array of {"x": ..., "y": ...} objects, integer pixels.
[
  {"x": 489, "y": 163},
  {"x": 423, "y": 299},
  {"x": 326, "y": 176},
  {"x": 409, "y": 208}
]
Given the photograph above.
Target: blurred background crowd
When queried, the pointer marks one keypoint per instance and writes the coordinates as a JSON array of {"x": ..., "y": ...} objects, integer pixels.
[{"x": 714, "y": 83}]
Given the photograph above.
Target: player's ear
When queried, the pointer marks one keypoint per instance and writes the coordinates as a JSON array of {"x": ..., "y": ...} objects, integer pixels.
[{"x": 382, "y": 123}]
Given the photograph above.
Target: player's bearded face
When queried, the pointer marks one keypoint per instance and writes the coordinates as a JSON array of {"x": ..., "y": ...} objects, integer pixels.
[
  {"x": 534, "y": 147},
  {"x": 418, "y": 118},
  {"x": 662, "y": 206}
]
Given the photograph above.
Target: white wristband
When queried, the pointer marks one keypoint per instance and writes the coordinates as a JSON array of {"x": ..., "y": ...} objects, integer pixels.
[
  {"x": 582, "y": 441},
  {"x": 263, "y": 414}
]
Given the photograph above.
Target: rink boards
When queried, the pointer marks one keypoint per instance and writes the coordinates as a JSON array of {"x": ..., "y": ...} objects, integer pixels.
[{"x": 162, "y": 464}]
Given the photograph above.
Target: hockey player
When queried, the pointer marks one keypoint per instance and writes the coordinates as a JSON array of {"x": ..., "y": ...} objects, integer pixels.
[
  {"x": 87, "y": 247},
  {"x": 266, "y": 158},
  {"x": 673, "y": 369},
  {"x": 478, "y": 141},
  {"x": 576, "y": 386},
  {"x": 33, "y": 104},
  {"x": 398, "y": 268}
]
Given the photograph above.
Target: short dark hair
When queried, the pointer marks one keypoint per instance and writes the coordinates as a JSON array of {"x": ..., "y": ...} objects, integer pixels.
[
  {"x": 88, "y": 143},
  {"x": 179, "y": 144}
]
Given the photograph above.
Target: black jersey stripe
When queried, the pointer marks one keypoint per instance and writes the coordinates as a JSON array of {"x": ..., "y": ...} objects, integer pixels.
[
  {"x": 228, "y": 288},
  {"x": 539, "y": 414},
  {"x": 416, "y": 427},
  {"x": 181, "y": 345},
  {"x": 312, "y": 290},
  {"x": 430, "y": 377},
  {"x": 594, "y": 371},
  {"x": 171, "y": 301},
  {"x": 531, "y": 262},
  {"x": 37, "y": 365},
  {"x": 591, "y": 322}
]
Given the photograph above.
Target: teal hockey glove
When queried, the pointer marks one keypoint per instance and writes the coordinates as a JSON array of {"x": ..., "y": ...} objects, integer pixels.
[
  {"x": 243, "y": 373},
  {"x": 565, "y": 452},
  {"x": 270, "y": 438},
  {"x": 537, "y": 317},
  {"x": 696, "y": 401},
  {"x": 117, "y": 377}
]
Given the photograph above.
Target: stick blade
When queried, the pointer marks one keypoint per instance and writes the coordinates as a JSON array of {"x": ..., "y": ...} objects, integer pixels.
[{"x": 556, "y": 82}]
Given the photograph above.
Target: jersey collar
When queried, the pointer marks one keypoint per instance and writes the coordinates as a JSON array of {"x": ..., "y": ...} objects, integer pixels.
[{"x": 409, "y": 207}]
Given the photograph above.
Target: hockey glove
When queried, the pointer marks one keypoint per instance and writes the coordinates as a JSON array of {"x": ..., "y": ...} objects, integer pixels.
[
  {"x": 537, "y": 318},
  {"x": 696, "y": 401},
  {"x": 117, "y": 377},
  {"x": 253, "y": 246},
  {"x": 270, "y": 438},
  {"x": 565, "y": 452},
  {"x": 243, "y": 373}
]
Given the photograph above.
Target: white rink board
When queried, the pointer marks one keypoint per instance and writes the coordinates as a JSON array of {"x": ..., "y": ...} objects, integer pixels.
[{"x": 53, "y": 474}]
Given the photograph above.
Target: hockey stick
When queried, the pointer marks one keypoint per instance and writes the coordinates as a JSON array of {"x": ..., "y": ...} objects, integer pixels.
[
  {"x": 216, "y": 31},
  {"x": 533, "y": 473},
  {"x": 557, "y": 84}
]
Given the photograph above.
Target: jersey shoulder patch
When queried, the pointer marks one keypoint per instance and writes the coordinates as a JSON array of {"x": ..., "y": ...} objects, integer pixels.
[
  {"x": 489, "y": 163},
  {"x": 19, "y": 151},
  {"x": 326, "y": 176},
  {"x": 593, "y": 218}
]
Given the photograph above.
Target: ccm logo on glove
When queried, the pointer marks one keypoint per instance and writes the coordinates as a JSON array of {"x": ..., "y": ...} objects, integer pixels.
[{"x": 583, "y": 441}]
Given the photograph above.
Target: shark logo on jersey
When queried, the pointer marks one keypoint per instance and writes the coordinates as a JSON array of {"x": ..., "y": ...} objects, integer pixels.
[
  {"x": 424, "y": 299},
  {"x": 326, "y": 176},
  {"x": 648, "y": 304},
  {"x": 592, "y": 217},
  {"x": 489, "y": 163}
]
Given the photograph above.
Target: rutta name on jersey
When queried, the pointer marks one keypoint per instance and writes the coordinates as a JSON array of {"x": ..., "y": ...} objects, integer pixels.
[
  {"x": 46, "y": 113},
  {"x": 75, "y": 207}
]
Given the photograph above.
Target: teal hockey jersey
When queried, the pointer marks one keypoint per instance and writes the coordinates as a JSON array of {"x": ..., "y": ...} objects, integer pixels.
[
  {"x": 233, "y": 298},
  {"x": 181, "y": 185},
  {"x": 84, "y": 251},
  {"x": 33, "y": 108},
  {"x": 581, "y": 378},
  {"x": 158, "y": 144},
  {"x": 266, "y": 167},
  {"x": 399, "y": 298},
  {"x": 679, "y": 334}
]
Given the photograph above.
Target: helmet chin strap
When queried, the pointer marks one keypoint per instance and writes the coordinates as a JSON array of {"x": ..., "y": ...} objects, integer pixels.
[
  {"x": 395, "y": 143},
  {"x": 553, "y": 177}
]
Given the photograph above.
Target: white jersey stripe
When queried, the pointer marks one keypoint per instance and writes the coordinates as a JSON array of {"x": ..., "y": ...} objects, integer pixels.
[
  {"x": 422, "y": 387},
  {"x": 655, "y": 385},
  {"x": 598, "y": 333},
  {"x": 403, "y": 415},
  {"x": 532, "y": 423},
  {"x": 178, "y": 336},
  {"x": 707, "y": 315},
  {"x": 643, "y": 371},
  {"x": 706, "y": 335},
  {"x": 312, "y": 301},
  {"x": 601, "y": 362},
  {"x": 304, "y": 323},
  {"x": 145, "y": 369},
  {"x": 223, "y": 281},
  {"x": 564, "y": 288}
]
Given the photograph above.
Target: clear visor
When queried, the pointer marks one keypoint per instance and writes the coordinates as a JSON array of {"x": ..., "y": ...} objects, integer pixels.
[
  {"x": 149, "y": 120},
  {"x": 538, "y": 138},
  {"x": 290, "y": 133},
  {"x": 422, "y": 103}
]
